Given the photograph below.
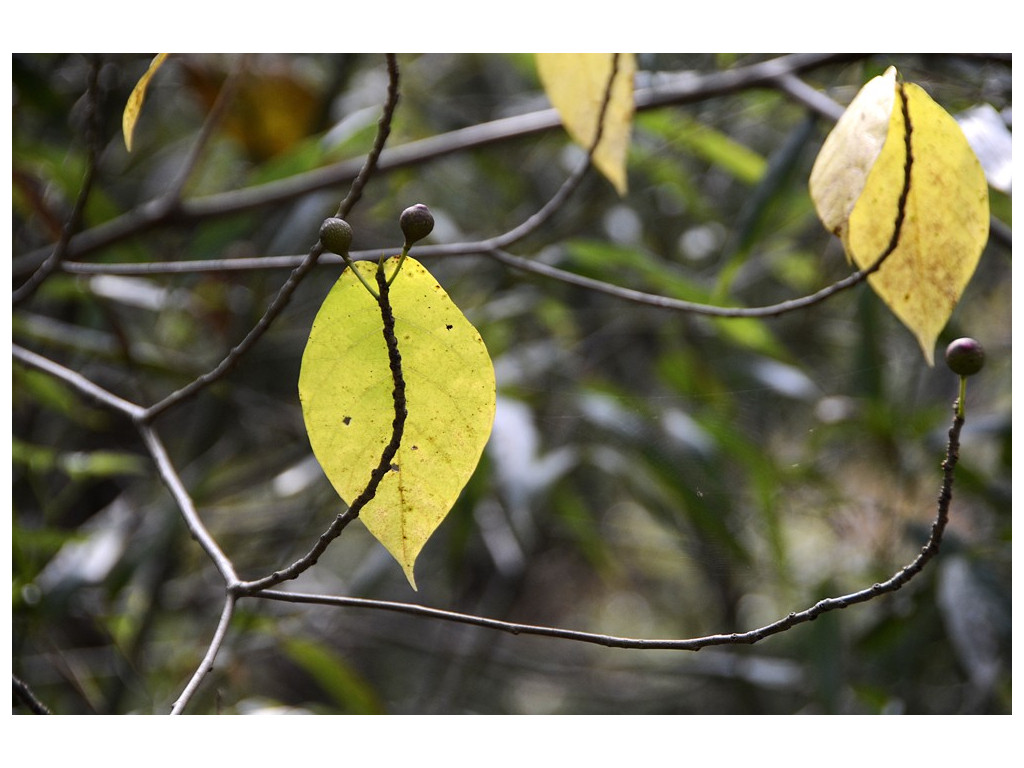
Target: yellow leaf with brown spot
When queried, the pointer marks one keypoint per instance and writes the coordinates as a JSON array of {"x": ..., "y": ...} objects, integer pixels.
[{"x": 346, "y": 385}]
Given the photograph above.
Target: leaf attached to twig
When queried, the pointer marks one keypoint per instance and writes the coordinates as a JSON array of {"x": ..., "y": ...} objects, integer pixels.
[
  {"x": 577, "y": 85},
  {"x": 346, "y": 387},
  {"x": 857, "y": 182}
]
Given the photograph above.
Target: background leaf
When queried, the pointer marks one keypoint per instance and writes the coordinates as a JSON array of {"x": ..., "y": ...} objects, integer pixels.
[
  {"x": 704, "y": 494},
  {"x": 576, "y": 84},
  {"x": 346, "y": 390},
  {"x": 138, "y": 95}
]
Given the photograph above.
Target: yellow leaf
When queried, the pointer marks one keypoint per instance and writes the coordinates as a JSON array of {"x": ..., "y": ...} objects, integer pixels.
[
  {"x": 946, "y": 216},
  {"x": 576, "y": 84},
  {"x": 138, "y": 95},
  {"x": 345, "y": 385},
  {"x": 849, "y": 153}
]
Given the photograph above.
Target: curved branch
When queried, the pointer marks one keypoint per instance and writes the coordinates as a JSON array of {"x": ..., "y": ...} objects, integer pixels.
[
  {"x": 771, "y": 310},
  {"x": 372, "y": 161},
  {"x": 898, "y": 580}
]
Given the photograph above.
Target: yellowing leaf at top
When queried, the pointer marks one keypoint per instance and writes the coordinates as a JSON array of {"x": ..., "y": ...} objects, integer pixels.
[
  {"x": 346, "y": 385},
  {"x": 135, "y": 99},
  {"x": 846, "y": 158},
  {"x": 945, "y": 217},
  {"x": 577, "y": 84}
]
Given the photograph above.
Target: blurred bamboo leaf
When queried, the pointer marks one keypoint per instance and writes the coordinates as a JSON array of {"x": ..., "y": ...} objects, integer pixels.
[
  {"x": 707, "y": 143},
  {"x": 350, "y": 691}
]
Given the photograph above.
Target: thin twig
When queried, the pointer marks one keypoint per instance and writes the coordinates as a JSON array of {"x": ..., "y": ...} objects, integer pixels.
[
  {"x": 571, "y": 184},
  {"x": 383, "y": 132},
  {"x": 686, "y": 88},
  {"x": 172, "y": 196},
  {"x": 286, "y": 291},
  {"x": 898, "y": 580},
  {"x": 185, "y": 504},
  {"x": 379, "y": 472},
  {"x": 24, "y": 291},
  {"x": 77, "y": 381},
  {"x": 771, "y": 310},
  {"x": 802, "y": 93},
  {"x": 211, "y": 654},
  {"x": 24, "y": 694}
]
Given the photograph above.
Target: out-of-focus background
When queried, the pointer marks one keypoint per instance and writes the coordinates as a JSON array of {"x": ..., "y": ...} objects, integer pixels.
[{"x": 651, "y": 473}]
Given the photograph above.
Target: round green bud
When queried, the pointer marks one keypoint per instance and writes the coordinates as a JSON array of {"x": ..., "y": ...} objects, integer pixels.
[
  {"x": 965, "y": 357},
  {"x": 336, "y": 235},
  {"x": 417, "y": 222}
]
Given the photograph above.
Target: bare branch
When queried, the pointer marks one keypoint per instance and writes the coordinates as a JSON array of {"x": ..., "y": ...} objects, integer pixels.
[
  {"x": 685, "y": 88},
  {"x": 78, "y": 381},
  {"x": 211, "y": 654},
  {"x": 23, "y": 693},
  {"x": 213, "y": 119},
  {"x": 372, "y": 161},
  {"x": 185, "y": 504},
  {"x": 24, "y": 291},
  {"x": 898, "y": 580},
  {"x": 299, "y": 273}
]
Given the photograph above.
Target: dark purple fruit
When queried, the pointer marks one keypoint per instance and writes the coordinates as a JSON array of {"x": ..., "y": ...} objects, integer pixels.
[
  {"x": 417, "y": 222},
  {"x": 965, "y": 357}
]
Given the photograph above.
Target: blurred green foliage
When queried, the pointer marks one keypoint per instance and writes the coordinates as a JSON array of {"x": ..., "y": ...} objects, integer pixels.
[{"x": 651, "y": 474}]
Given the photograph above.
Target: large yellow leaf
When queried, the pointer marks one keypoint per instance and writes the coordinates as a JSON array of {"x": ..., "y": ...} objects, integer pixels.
[
  {"x": 576, "y": 84},
  {"x": 946, "y": 221},
  {"x": 135, "y": 99},
  {"x": 345, "y": 386}
]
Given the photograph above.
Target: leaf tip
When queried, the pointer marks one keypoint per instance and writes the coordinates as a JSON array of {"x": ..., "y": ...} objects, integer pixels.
[
  {"x": 927, "y": 348},
  {"x": 407, "y": 568}
]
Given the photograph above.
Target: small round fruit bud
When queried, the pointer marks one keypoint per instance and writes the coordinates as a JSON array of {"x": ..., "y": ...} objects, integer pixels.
[
  {"x": 336, "y": 235},
  {"x": 965, "y": 357},
  {"x": 417, "y": 222}
]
